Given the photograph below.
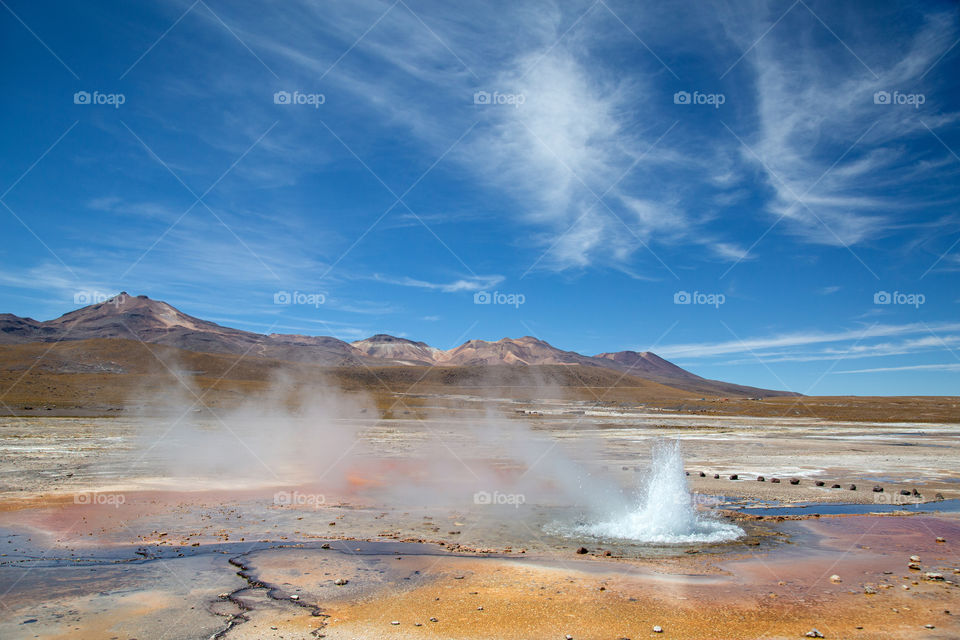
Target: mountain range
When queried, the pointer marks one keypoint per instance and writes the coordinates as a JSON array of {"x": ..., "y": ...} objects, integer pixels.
[{"x": 155, "y": 322}]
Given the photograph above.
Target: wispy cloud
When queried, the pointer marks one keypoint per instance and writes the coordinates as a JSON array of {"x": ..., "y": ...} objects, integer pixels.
[{"x": 474, "y": 283}]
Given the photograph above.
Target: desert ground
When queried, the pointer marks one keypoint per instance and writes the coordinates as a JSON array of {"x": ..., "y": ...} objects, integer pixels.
[{"x": 458, "y": 515}]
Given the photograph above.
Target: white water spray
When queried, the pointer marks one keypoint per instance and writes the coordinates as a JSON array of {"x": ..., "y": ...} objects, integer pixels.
[{"x": 665, "y": 513}]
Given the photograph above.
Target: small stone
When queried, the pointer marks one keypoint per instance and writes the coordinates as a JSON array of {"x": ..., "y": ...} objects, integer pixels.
[
  {"x": 834, "y": 486},
  {"x": 395, "y": 622},
  {"x": 569, "y": 637},
  {"x": 929, "y": 626},
  {"x": 479, "y": 608},
  {"x": 869, "y": 590},
  {"x": 703, "y": 475},
  {"x": 835, "y": 578},
  {"x": 852, "y": 487},
  {"x": 813, "y": 633},
  {"x": 294, "y": 597},
  {"x": 325, "y": 545},
  {"x": 914, "y": 565},
  {"x": 333, "y": 524},
  {"x": 819, "y": 483},
  {"x": 734, "y": 476},
  {"x": 581, "y": 550},
  {"x": 716, "y": 476},
  {"x": 938, "y": 497},
  {"x": 761, "y": 479},
  {"x": 877, "y": 489},
  {"x": 658, "y": 629},
  {"x": 418, "y": 624},
  {"x": 433, "y": 620},
  {"x": 939, "y": 539},
  {"x": 904, "y": 492},
  {"x": 930, "y": 575},
  {"x": 794, "y": 480},
  {"x": 914, "y": 558},
  {"x": 775, "y": 480},
  {"x": 340, "y": 582}
]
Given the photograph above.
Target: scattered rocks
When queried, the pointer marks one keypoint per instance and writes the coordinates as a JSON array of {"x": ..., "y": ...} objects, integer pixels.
[
  {"x": 658, "y": 629},
  {"x": 813, "y": 633},
  {"x": 581, "y": 550},
  {"x": 794, "y": 480}
]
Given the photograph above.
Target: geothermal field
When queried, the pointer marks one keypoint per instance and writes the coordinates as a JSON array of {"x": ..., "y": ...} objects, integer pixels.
[{"x": 477, "y": 517}]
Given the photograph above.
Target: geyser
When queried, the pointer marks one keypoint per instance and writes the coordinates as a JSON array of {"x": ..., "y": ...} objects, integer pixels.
[{"x": 665, "y": 513}]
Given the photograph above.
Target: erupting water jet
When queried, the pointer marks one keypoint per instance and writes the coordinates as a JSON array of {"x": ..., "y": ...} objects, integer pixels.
[{"x": 665, "y": 513}]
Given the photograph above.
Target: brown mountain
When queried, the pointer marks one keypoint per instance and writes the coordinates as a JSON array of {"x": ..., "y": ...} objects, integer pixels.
[{"x": 155, "y": 322}]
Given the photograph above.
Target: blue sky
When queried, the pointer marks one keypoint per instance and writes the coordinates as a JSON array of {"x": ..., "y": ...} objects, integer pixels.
[{"x": 788, "y": 169}]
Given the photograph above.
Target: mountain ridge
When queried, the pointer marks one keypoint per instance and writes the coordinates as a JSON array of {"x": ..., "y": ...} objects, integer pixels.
[{"x": 156, "y": 322}]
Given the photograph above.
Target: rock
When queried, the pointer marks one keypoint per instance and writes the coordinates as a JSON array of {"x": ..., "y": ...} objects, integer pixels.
[
  {"x": 869, "y": 590},
  {"x": 930, "y": 575},
  {"x": 938, "y": 497},
  {"x": 794, "y": 480},
  {"x": 904, "y": 492},
  {"x": 340, "y": 582},
  {"x": 607, "y": 554},
  {"x": 325, "y": 545},
  {"x": 395, "y": 622},
  {"x": 568, "y": 637},
  {"x": 716, "y": 476},
  {"x": 761, "y": 479},
  {"x": 813, "y": 633},
  {"x": 581, "y": 550},
  {"x": 852, "y": 487},
  {"x": 877, "y": 489},
  {"x": 294, "y": 597},
  {"x": 433, "y": 620},
  {"x": 939, "y": 539},
  {"x": 819, "y": 483},
  {"x": 916, "y": 493},
  {"x": 914, "y": 558},
  {"x": 835, "y": 578},
  {"x": 929, "y": 626},
  {"x": 658, "y": 629},
  {"x": 734, "y": 476},
  {"x": 914, "y": 565},
  {"x": 479, "y": 608},
  {"x": 775, "y": 480},
  {"x": 834, "y": 486}
]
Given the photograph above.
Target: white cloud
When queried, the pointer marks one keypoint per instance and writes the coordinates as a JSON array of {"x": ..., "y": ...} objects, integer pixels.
[{"x": 473, "y": 283}]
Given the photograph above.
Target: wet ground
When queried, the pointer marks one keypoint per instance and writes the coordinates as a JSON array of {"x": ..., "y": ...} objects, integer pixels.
[{"x": 106, "y": 533}]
